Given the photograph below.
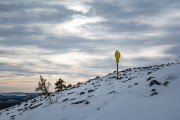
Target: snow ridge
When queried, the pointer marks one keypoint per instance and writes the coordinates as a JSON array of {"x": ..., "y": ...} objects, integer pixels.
[{"x": 143, "y": 93}]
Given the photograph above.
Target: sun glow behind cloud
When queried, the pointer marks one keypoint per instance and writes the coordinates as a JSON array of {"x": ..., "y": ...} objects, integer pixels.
[
  {"x": 74, "y": 58},
  {"x": 77, "y": 25}
]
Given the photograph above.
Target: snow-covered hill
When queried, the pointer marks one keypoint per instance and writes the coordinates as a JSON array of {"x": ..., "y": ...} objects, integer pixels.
[{"x": 144, "y": 93}]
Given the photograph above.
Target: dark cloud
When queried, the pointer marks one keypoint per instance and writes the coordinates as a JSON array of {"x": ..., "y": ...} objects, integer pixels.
[{"x": 29, "y": 12}]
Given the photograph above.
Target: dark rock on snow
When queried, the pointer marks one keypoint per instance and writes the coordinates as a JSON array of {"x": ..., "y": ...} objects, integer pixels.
[
  {"x": 112, "y": 92},
  {"x": 89, "y": 91},
  {"x": 65, "y": 100},
  {"x": 73, "y": 99},
  {"x": 87, "y": 102},
  {"x": 35, "y": 106},
  {"x": 12, "y": 117},
  {"x": 149, "y": 78},
  {"x": 154, "y": 82},
  {"x": 153, "y": 90},
  {"x": 149, "y": 73},
  {"x": 154, "y": 93},
  {"x": 90, "y": 96},
  {"x": 82, "y": 93},
  {"x": 166, "y": 83},
  {"x": 82, "y": 101},
  {"x": 70, "y": 93}
]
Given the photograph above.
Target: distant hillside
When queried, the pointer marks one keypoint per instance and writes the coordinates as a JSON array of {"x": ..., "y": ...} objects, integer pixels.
[
  {"x": 15, "y": 98},
  {"x": 143, "y": 93}
]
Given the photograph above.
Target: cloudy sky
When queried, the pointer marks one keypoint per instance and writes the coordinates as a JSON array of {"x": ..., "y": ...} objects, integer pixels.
[{"x": 76, "y": 39}]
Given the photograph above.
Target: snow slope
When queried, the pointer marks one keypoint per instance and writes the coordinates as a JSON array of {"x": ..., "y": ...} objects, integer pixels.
[{"x": 129, "y": 98}]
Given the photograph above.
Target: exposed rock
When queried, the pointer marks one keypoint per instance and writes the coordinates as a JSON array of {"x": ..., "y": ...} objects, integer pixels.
[
  {"x": 87, "y": 102},
  {"x": 90, "y": 96},
  {"x": 109, "y": 74},
  {"x": 121, "y": 77},
  {"x": 73, "y": 99},
  {"x": 69, "y": 86},
  {"x": 35, "y": 106},
  {"x": 150, "y": 78},
  {"x": 34, "y": 100},
  {"x": 89, "y": 91},
  {"x": 65, "y": 100},
  {"x": 153, "y": 90},
  {"x": 24, "y": 110},
  {"x": 79, "y": 83},
  {"x": 154, "y": 93},
  {"x": 153, "y": 82},
  {"x": 112, "y": 77},
  {"x": 112, "y": 92},
  {"x": 81, "y": 93},
  {"x": 70, "y": 93},
  {"x": 75, "y": 86},
  {"x": 20, "y": 109},
  {"x": 97, "y": 77},
  {"x": 78, "y": 102},
  {"x": 149, "y": 73},
  {"x": 166, "y": 83},
  {"x": 25, "y": 104},
  {"x": 12, "y": 117}
]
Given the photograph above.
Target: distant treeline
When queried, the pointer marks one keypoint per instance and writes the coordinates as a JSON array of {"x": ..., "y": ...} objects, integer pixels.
[{"x": 8, "y": 101}]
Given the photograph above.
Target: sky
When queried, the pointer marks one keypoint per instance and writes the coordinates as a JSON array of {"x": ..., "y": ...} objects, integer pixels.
[{"x": 76, "y": 39}]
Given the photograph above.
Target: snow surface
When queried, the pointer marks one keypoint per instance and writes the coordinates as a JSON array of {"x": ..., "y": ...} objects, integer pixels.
[{"x": 128, "y": 98}]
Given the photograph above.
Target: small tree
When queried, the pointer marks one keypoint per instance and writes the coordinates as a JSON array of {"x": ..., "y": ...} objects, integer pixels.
[
  {"x": 43, "y": 86},
  {"x": 69, "y": 86},
  {"x": 60, "y": 85}
]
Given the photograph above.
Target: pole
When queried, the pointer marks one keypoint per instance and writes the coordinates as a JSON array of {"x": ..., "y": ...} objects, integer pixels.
[
  {"x": 117, "y": 70},
  {"x": 117, "y": 55}
]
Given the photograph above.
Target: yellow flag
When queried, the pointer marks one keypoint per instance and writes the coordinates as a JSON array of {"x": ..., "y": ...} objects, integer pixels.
[{"x": 117, "y": 54}]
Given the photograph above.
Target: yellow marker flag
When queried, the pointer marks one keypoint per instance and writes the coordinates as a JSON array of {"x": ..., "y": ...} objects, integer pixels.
[{"x": 117, "y": 54}]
